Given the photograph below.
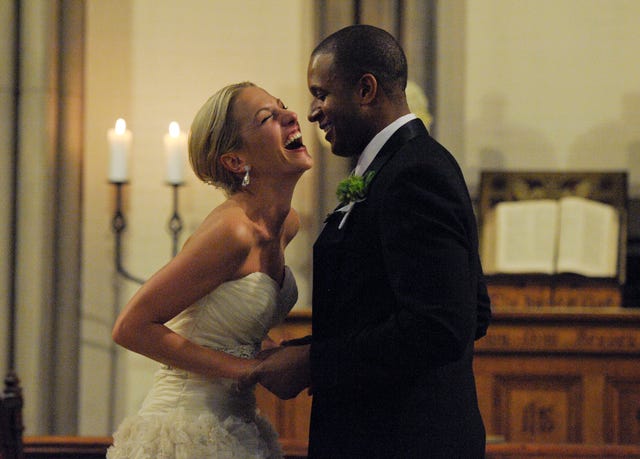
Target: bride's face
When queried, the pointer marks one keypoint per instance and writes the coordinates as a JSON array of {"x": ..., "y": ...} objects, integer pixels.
[{"x": 270, "y": 132}]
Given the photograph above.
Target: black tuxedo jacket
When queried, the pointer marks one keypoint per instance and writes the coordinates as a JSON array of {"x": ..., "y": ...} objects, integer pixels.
[{"x": 398, "y": 300}]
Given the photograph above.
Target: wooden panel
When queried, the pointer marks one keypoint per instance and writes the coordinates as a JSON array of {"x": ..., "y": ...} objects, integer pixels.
[
  {"x": 296, "y": 414},
  {"x": 564, "y": 451},
  {"x": 523, "y": 295},
  {"x": 542, "y": 409},
  {"x": 534, "y": 291},
  {"x": 574, "y": 295},
  {"x": 622, "y": 408},
  {"x": 546, "y": 377},
  {"x": 562, "y": 330}
]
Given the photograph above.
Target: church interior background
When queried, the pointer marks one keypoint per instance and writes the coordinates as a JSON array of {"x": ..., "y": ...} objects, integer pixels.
[{"x": 548, "y": 85}]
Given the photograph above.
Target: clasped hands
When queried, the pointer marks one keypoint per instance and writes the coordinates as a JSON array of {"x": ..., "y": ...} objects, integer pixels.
[{"x": 283, "y": 370}]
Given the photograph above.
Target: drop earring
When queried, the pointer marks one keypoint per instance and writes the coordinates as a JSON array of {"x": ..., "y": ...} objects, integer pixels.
[{"x": 246, "y": 180}]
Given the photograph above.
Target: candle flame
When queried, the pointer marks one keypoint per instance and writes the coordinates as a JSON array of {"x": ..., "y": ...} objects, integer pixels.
[
  {"x": 121, "y": 126},
  {"x": 174, "y": 129}
]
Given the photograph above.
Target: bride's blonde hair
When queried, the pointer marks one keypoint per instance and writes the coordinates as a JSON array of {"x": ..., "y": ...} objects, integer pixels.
[{"x": 215, "y": 132}]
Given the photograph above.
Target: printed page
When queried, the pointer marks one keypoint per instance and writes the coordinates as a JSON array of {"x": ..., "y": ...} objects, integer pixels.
[
  {"x": 526, "y": 233},
  {"x": 589, "y": 237}
]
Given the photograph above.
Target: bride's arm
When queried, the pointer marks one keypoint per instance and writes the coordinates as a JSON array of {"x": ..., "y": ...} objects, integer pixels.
[{"x": 212, "y": 256}]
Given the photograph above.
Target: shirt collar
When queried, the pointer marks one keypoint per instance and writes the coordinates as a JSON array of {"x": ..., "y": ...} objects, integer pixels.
[{"x": 375, "y": 145}]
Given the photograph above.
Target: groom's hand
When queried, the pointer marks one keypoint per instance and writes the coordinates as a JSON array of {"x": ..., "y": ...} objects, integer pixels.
[{"x": 284, "y": 371}]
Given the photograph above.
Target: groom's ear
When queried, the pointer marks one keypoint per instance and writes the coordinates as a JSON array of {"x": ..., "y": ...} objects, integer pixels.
[{"x": 367, "y": 88}]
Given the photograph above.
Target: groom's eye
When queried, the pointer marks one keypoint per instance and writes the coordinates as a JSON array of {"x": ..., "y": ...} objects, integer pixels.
[{"x": 320, "y": 95}]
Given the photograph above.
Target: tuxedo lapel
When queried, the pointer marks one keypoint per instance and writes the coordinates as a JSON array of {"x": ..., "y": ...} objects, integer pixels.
[{"x": 412, "y": 129}]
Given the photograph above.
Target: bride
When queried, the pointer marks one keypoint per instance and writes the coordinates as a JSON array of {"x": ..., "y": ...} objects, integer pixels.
[{"x": 205, "y": 314}]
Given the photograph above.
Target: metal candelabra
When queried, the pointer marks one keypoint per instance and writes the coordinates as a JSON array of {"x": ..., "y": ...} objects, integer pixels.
[{"x": 119, "y": 223}]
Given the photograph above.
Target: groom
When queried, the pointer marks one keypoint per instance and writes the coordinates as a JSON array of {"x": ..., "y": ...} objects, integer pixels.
[{"x": 398, "y": 290}]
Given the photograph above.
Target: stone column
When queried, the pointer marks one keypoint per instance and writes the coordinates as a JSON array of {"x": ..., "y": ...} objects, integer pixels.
[{"x": 47, "y": 240}]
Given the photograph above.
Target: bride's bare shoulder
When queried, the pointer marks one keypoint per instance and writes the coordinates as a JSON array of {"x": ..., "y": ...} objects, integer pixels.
[{"x": 226, "y": 225}]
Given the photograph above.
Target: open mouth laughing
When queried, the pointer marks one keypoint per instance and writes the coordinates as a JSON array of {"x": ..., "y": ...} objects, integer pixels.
[{"x": 294, "y": 141}]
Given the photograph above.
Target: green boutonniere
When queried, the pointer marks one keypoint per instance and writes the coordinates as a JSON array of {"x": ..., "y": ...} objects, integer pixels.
[{"x": 354, "y": 188}]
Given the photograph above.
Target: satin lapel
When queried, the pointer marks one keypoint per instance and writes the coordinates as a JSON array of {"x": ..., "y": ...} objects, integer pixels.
[{"x": 412, "y": 129}]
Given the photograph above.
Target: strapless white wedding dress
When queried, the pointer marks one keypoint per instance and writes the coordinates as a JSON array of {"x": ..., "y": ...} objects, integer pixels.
[{"x": 187, "y": 416}]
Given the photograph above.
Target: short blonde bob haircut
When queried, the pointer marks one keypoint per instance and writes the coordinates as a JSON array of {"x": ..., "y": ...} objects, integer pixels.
[{"x": 215, "y": 132}]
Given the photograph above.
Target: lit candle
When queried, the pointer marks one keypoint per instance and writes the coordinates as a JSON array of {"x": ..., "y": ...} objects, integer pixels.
[
  {"x": 120, "y": 144},
  {"x": 175, "y": 145}
]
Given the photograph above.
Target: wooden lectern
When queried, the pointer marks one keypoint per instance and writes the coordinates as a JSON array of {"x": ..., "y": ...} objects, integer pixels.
[{"x": 538, "y": 289}]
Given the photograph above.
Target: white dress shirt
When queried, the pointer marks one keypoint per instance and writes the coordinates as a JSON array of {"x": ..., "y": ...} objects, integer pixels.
[{"x": 373, "y": 148}]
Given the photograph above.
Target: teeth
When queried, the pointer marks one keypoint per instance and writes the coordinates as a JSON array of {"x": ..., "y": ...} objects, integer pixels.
[{"x": 293, "y": 138}]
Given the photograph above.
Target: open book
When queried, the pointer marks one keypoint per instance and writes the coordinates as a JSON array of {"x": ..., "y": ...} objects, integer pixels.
[{"x": 569, "y": 235}]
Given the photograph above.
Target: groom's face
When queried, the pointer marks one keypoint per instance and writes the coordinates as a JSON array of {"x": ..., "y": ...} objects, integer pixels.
[{"x": 334, "y": 107}]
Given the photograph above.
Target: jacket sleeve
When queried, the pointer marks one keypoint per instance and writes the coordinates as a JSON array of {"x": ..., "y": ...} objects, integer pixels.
[{"x": 484, "y": 307}]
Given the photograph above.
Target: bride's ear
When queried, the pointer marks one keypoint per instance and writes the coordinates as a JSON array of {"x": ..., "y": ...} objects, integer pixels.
[{"x": 233, "y": 162}]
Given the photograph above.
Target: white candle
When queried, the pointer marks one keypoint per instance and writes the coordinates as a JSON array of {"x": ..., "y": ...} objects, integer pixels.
[
  {"x": 120, "y": 144},
  {"x": 175, "y": 145}
]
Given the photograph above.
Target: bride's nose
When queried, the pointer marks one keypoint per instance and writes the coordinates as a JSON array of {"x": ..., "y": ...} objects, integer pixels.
[{"x": 289, "y": 117}]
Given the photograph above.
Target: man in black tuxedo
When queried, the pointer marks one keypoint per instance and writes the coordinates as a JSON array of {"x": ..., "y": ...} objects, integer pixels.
[{"x": 398, "y": 290}]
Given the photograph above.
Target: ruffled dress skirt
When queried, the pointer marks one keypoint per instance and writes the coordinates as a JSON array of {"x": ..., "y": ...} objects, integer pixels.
[{"x": 204, "y": 420}]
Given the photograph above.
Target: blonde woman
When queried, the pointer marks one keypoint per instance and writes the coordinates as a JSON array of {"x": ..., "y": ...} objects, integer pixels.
[{"x": 204, "y": 315}]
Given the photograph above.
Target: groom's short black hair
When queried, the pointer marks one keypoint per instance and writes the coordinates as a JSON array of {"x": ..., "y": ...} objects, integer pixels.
[{"x": 360, "y": 49}]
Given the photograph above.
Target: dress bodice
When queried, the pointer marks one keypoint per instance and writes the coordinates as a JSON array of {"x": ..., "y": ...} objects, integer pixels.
[{"x": 234, "y": 318}]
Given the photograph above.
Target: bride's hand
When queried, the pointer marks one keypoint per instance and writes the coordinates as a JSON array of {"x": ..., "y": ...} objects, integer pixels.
[
  {"x": 246, "y": 372},
  {"x": 285, "y": 372}
]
